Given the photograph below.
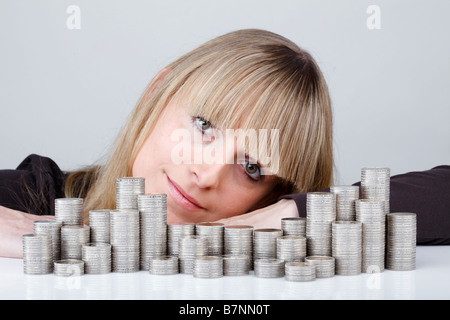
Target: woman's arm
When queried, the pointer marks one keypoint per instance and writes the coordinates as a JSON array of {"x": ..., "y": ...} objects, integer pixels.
[{"x": 14, "y": 224}]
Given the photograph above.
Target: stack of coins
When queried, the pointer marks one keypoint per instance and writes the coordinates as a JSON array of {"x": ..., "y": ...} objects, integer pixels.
[
  {"x": 72, "y": 240},
  {"x": 235, "y": 265},
  {"x": 208, "y": 267},
  {"x": 300, "y": 271},
  {"x": 99, "y": 223},
  {"x": 153, "y": 223},
  {"x": 372, "y": 215},
  {"x": 375, "y": 185},
  {"x": 191, "y": 247},
  {"x": 401, "y": 241},
  {"x": 51, "y": 228},
  {"x": 213, "y": 232},
  {"x": 165, "y": 265},
  {"x": 294, "y": 227},
  {"x": 325, "y": 266},
  {"x": 347, "y": 247},
  {"x": 69, "y": 211},
  {"x": 345, "y": 202},
  {"x": 265, "y": 243},
  {"x": 125, "y": 240},
  {"x": 69, "y": 268},
  {"x": 269, "y": 268},
  {"x": 291, "y": 248},
  {"x": 97, "y": 258},
  {"x": 238, "y": 240},
  {"x": 127, "y": 191},
  {"x": 176, "y": 231},
  {"x": 321, "y": 212},
  {"x": 37, "y": 254}
]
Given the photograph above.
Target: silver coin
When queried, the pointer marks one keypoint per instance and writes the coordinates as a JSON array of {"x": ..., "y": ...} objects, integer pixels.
[
  {"x": 69, "y": 211},
  {"x": 345, "y": 201},
  {"x": 51, "y": 228},
  {"x": 97, "y": 258},
  {"x": 164, "y": 265},
  {"x": 213, "y": 232},
  {"x": 401, "y": 241},
  {"x": 294, "y": 226},
  {"x": 208, "y": 267},
  {"x": 291, "y": 248},
  {"x": 127, "y": 191},
  {"x": 269, "y": 268},
  {"x": 325, "y": 266},
  {"x": 265, "y": 243},
  {"x": 69, "y": 268},
  {"x": 175, "y": 231},
  {"x": 300, "y": 271},
  {"x": 347, "y": 247},
  {"x": 72, "y": 239},
  {"x": 99, "y": 221},
  {"x": 236, "y": 265},
  {"x": 191, "y": 247},
  {"x": 37, "y": 254}
]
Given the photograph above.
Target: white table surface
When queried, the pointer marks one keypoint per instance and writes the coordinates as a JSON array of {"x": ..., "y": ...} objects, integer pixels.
[{"x": 431, "y": 280}]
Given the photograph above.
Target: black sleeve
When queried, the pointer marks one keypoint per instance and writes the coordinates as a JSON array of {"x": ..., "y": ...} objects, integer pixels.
[
  {"x": 33, "y": 186},
  {"x": 426, "y": 193}
]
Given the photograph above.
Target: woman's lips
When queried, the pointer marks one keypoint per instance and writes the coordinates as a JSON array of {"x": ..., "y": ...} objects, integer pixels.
[{"x": 181, "y": 197}]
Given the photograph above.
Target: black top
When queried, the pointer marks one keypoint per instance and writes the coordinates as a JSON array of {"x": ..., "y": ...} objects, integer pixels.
[{"x": 426, "y": 193}]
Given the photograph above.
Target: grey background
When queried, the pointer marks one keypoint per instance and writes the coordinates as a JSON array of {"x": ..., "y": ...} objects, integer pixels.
[{"x": 66, "y": 93}]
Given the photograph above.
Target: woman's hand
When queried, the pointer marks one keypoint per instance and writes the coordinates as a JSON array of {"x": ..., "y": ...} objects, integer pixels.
[
  {"x": 268, "y": 217},
  {"x": 13, "y": 225}
]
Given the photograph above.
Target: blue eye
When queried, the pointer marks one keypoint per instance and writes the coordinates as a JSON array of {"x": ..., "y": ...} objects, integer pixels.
[{"x": 252, "y": 170}]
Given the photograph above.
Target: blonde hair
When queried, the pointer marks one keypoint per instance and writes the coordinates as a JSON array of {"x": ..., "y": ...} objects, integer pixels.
[{"x": 247, "y": 79}]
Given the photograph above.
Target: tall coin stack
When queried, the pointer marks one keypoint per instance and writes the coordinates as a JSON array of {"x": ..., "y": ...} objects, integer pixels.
[
  {"x": 320, "y": 213},
  {"x": 72, "y": 240},
  {"x": 97, "y": 258},
  {"x": 68, "y": 211},
  {"x": 238, "y": 241},
  {"x": 347, "y": 247},
  {"x": 37, "y": 254},
  {"x": 127, "y": 191},
  {"x": 99, "y": 222},
  {"x": 51, "y": 228},
  {"x": 153, "y": 223},
  {"x": 191, "y": 247},
  {"x": 375, "y": 185},
  {"x": 265, "y": 243},
  {"x": 371, "y": 214},
  {"x": 125, "y": 240},
  {"x": 291, "y": 248},
  {"x": 176, "y": 231},
  {"x": 294, "y": 226},
  {"x": 213, "y": 232},
  {"x": 401, "y": 241},
  {"x": 345, "y": 202}
]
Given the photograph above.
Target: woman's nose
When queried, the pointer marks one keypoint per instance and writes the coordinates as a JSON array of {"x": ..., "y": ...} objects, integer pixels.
[{"x": 209, "y": 175}]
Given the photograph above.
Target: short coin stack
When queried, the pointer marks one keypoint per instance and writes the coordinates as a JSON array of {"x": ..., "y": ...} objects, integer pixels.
[
  {"x": 97, "y": 258},
  {"x": 99, "y": 222},
  {"x": 265, "y": 243},
  {"x": 72, "y": 240},
  {"x": 347, "y": 247},
  {"x": 325, "y": 266},
  {"x": 69, "y": 268},
  {"x": 269, "y": 268},
  {"x": 208, "y": 267},
  {"x": 345, "y": 202},
  {"x": 235, "y": 265},
  {"x": 51, "y": 228},
  {"x": 213, "y": 233},
  {"x": 125, "y": 240},
  {"x": 153, "y": 224},
  {"x": 164, "y": 265},
  {"x": 176, "y": 231},
  {"x": 189, "y": 249},
  {"x": 68, "y": 211},
  {"x": 294, "y": 226},
  {"x": 291, "y": 248},
  {"x": 375, "y": 185},
  {"x": 127, "y": 191},
  {"x": 371, "y": 214},
  {"x": 401, "y": 241},
  {"x": 300, "y": 271},
  {"x": 37, "y": 254},
  {"x": 321, "y": 212}
]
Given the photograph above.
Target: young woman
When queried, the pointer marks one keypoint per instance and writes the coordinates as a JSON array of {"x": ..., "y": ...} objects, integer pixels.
[{"x": 250, "y": 80}]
